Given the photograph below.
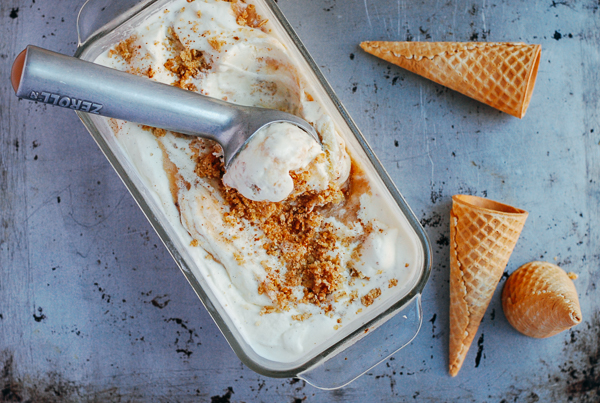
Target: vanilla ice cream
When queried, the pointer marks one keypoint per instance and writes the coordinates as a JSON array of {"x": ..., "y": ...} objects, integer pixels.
[
  {"x": 261, "y": 171},
  {"x": 296, "y": 239}
]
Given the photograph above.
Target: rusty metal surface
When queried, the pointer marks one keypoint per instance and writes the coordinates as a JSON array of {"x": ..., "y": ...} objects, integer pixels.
[{"x": 92, "y": 308}]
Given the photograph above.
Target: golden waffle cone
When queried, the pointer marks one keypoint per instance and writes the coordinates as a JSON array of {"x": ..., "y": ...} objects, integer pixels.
[
  {"x": 501, "y": 75},
  {"x": 540, "y": 300},
  {"x": 483, "y": 234}
]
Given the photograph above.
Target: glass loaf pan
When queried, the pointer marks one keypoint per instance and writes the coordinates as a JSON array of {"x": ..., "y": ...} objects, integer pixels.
[{"x": 361, "y": 345}]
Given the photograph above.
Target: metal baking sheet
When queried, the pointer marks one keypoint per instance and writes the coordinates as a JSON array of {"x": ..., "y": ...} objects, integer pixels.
[{"x": 92, "y": 307}]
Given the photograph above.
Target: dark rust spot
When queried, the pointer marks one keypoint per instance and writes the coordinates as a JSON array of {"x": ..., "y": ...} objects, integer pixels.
[
  {"x": 40, "y": 317},
  {"x": 226, "y": 398},
  {"x": 160, "y": 302},
  {"x": 479, "y": 351}
]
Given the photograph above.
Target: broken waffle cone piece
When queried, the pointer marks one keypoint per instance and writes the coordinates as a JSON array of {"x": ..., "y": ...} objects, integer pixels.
[
  {"x": 501, "y": 75},
  {"x": 483, "y": 234},
  {"x": 540, "y": 300}
]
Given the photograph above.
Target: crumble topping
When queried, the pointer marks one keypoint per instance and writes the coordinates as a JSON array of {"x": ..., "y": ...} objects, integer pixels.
[
  {"x": 246, "y": 15},
  {"x": 186, "y": 64},
  {"x": 216, "y": 43},
  {"x": 124, "y": 49},
  {"x": 295, "y": 232},
  {"x": 339, "y": 295},
  {"x": 301, "y": 317},
  {"x": 268, "y": 309},
  {"x": 353, "y": 297},
  {"x": 370, "y": 297},
  {"x": 155, "y": 131}
]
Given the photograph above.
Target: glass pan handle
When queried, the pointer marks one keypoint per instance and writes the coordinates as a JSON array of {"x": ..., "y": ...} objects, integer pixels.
[{"x": 367, "y": 352}]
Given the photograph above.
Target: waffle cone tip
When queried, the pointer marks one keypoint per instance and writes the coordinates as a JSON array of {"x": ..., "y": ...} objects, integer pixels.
[{"x": 454, "y": 370}]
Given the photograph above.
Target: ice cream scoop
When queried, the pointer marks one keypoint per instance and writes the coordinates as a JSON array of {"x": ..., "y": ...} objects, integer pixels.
[{"x": 52, "y": 78}]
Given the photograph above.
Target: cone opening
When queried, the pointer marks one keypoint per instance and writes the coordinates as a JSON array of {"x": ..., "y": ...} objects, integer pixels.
[
  {"x": 531, "y": 81},
  {"x": 487, "y": 204}
]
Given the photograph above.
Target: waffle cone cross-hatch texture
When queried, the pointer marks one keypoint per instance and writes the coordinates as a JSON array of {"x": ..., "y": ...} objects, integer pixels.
[
  {"x": 540, "y": 300},
  {"x": 483, "y": 234},
  {"x": 501, "y": 75}
]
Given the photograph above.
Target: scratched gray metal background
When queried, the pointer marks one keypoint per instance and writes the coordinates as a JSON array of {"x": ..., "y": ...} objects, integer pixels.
[{"x": 92, "y": 307}]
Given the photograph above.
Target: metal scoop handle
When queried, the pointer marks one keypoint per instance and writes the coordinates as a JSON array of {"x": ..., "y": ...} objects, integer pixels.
[{"x": 65, "y": 81}]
